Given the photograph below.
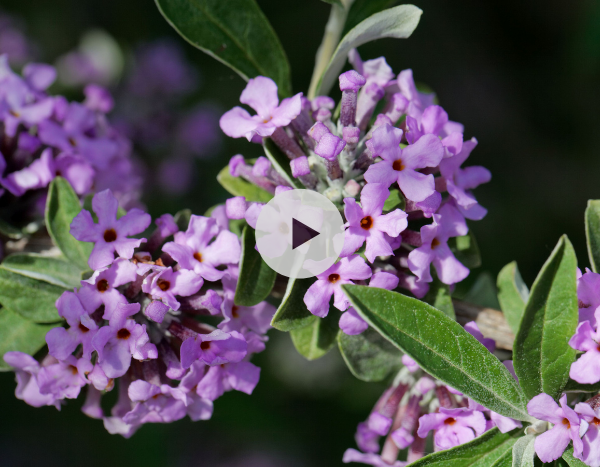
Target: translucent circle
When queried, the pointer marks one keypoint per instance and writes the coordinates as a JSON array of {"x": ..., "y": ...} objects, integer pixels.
[{"x": 304, "y": 219}]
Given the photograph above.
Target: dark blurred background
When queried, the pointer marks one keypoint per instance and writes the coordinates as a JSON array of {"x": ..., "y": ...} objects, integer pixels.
[{"x": 524, "y": 79}]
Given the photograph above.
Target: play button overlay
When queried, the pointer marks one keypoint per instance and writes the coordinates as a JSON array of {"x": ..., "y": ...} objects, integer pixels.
[{"x": 300, "y": 233}]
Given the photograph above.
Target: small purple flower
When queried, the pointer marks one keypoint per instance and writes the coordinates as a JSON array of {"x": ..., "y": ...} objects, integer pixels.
[
  {"x": 215, "y": 348},
  {"x": 452, "y": 426},
  {"x": 401, "y": 165},
  {"x": 116, "y": 347},
  {"x": 591, "y": 440},
  {"x": 260, "y": 94},
  {"x": 166, "y": 284},
  {"x": 472, "y": 328},
  {"x": 459, "y": 181},
  {"x": 550, "y": 445},
  {"x": 153, "y": 404},
  {"x": 241, "y": 376},
  {"x": 586, "y": 369},
  {"x": 109, "y": 234},
  {"x": 367, "y": 223},
  {"x": 588, "y": 293},
  {"x": 352, "y": 455},
  {"x": 82, "y": 328},
  {"x": 434, "y": 248},
  {"x": 64, "y": 379},
  {"x": 330, "y": 283},
  {"x": 194, "y": 251},
  {"x": 101, "y": 288},
  {"x": 26, "y": 370}
]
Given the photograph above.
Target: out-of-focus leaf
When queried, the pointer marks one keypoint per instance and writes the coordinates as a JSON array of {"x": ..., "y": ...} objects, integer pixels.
[
  {"x": 369, "y": 356},
  {"x": 235, "y": 32},
  {"x": 182, "y": 219},
  {"x": 542, "y": 354},
  {"x": 10, "y": 230},
  {"x": 523, "y": 452},
  {"x": 394, "y": 201},
  {"x": 31, "y": 298},
  {"x": 483, "y": 292},
  {"x": 466, "y": 250},
  {"x": 333, "y": 2},
  {"x": 592, "y": 232},
  {"x": 488, "y": 450},
  {"x": 256, "y": 277},
  {"x": 61, "y": 207},
  {"x": 280, "y": 162},
  {"x": 512, "y": 295},
  {"x": 55, "y": 271},
  {"x": 318, "y": 338},
  {"x": 572, "y": 460},
  {"x": 398, "y": 22},
  {"x": 292, "y": 312},
  {"x": 362, "y": 9},
  {"x": 574, "y": 386},
  {"x": 441, "y": 347},
  {"x": 237, "y": 186},
  {"x": 20, "y": 335}
]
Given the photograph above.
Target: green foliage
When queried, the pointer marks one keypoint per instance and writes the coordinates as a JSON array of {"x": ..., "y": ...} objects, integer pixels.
[
  {"x": 369, "y": 356},
  {"x": 512, "y": 295},
  {"x": 394, "y": 201},
  {"x": 441, "y": 347},
  {"x": 571, "y": 459},
  {"x": 237, "y": 186},
  {"x": 256, "y": 277},
  {"x": 20, "y": 334},
  {"x": 439, "y": 297},
  {"x": 31, "y": 298},
  {"x": 280, "y": 162},
  {"x": 182, "y": 218},
  {"x": 542, "y": 355},
  {"x": 55, "y": 271},
  {"x": 483, "y": 292},
  {"x": 362, "y": 9},
  {"x": 333, "y": 2},
  {"x": 235, "y": 32},
  {"x": 523, "y": 453},
  {"x": 318, "y": 338},
  {"x": 10, "y": 230},
  {"x": 592, "y": 232},
  {"x": 466, "y": 250},
  {"x": 489, "y": 449},
  {"x": 574, "y": 386},
  {"x": 398, "y": 22},
  {"x": 61, "y": 207},
  {"x": 292, "y": 312}
]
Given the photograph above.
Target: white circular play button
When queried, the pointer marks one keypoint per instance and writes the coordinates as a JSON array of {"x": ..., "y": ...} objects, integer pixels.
[{"x": 300, "y": 233}]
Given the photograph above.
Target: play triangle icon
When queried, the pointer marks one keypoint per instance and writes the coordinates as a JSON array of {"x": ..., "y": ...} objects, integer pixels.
[{"x": 301, "y": 233}]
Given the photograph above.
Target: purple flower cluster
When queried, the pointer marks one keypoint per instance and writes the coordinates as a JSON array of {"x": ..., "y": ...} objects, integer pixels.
[
  {"x": 410, "y": 152},
  {"x": 416, "y": 405},
  {"x": 44, "y": 136},
  {"x": 141, "y": 321}
]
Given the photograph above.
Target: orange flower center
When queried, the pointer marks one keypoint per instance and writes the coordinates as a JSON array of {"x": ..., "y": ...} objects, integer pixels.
[
  {"x": 366, "y": 222},
  {"x": 163, "y": 285},
  {"x": 110, "y": 235},
  {"x": 123, "y": 334},
  {"x": 398, "y": 165},
  {"x": 102, "y": 285},
  {"x": 333, "y": 278},
  {"x": 435, "y": 243},
  {"x": 198, "y": 256}
]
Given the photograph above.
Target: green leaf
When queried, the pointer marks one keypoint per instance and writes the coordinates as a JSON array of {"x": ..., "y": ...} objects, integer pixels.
[
  {"x": 292, "y": 312},
  {"x": 237, "y": 186},
  {"x": 441, "y": 347},
  {"x": 369, "y": 356},
  {"x": 483, "y": 292},
  {"x": 235, "y": 32},
  {"x": 398, "y": 22},
  {"x": 31, "y": 298},
  {"x": 362, "y": 9},
  {"x": 439, "y": 297},
  {"x": 394, "y": 201},
  {"x": 55, "y": 271},
  {"x": 523, "y": 452},
  {"x": 318, "y": 338},
  {"x": 592, "y": 232},
  {"x": 256, "y": 277},
  {"x": 333, "y": 2},
  {"x": 20, "y": 334},
  {"x": 466, "y": 250},
  {"x": 484, "y": 451},
  {"x": 542, "y": 355},
  {"x": 280, "y": 162},
  {"x": 10, "y": 230},
  {"x": 182, "y": 218},
  {"x": 512, "y": 295},
  {"x": 61, "y": 207},
  {"x": 571, "y": 459},
  {"x": 574, "y": 386}
]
